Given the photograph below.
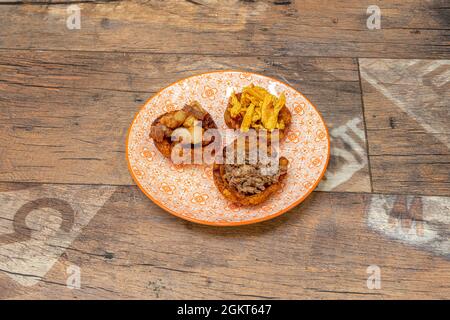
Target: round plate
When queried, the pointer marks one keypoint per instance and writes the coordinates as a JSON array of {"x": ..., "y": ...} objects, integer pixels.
[{"x": 188, "y": 191}]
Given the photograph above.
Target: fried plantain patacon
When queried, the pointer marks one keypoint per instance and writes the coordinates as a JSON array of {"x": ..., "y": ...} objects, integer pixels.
[
  {"x": 185, "y": 127},
  {"x": 248, "y": 181},
  {"x": 255, "y": 108}
]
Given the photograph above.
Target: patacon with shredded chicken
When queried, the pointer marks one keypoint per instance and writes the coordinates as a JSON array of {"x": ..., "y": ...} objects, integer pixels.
[{"x": 256, "y": 108}]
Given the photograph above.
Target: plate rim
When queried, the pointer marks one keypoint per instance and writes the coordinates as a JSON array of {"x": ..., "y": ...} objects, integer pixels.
[{"x": 219, "y": 223}]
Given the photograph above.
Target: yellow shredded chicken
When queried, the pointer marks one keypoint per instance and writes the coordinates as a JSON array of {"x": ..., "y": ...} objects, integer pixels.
[
  {"x": 258, "y": 108},
  {"x": 248, "y": 118},
  {"x": 235, "y": 110}
]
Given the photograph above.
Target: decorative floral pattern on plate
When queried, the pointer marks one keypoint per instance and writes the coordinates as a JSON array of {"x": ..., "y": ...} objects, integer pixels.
[{"x": 188, "y": 191}]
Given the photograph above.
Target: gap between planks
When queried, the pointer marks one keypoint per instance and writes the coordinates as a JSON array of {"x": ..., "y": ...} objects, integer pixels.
[
  {"x": 206, "y": 54},
  {"x": 94, "y": 185},
  {"x": 369, "y": 166}
]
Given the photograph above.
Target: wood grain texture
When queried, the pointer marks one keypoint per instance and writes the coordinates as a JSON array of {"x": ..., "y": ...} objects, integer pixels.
[
  {"x": 64, "y": 115},
  {"x": 67, "y": 98},
  {"x": 234, "y": 27},
  {"x": 321, "y": 249},
  {"x": 53, "y": 2},
  {"x": 407, "y": 114}
]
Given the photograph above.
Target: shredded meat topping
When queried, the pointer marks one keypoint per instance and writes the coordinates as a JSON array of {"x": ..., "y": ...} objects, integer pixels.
[
  {"x": 196, "y": 110},
  {"x": 159, "y": 132},
  {"x": 252, "y": 178}
]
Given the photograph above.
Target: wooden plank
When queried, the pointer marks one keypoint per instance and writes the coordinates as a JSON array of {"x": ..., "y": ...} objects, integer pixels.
[
  {"x": 64, "y": 115},
  {"x": 307, "y": 28},
  {"x": 407, "y": 116},
  {"x": 320, "y": 249},
  {"x": 53, "y": 2}
]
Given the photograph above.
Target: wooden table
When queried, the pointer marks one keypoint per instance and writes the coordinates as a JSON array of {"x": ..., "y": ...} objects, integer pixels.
[{"x": 70, "y": 211}]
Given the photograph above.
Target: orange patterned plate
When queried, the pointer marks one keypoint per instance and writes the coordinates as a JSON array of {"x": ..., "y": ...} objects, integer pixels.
[{"x": 188, "y": 191}]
